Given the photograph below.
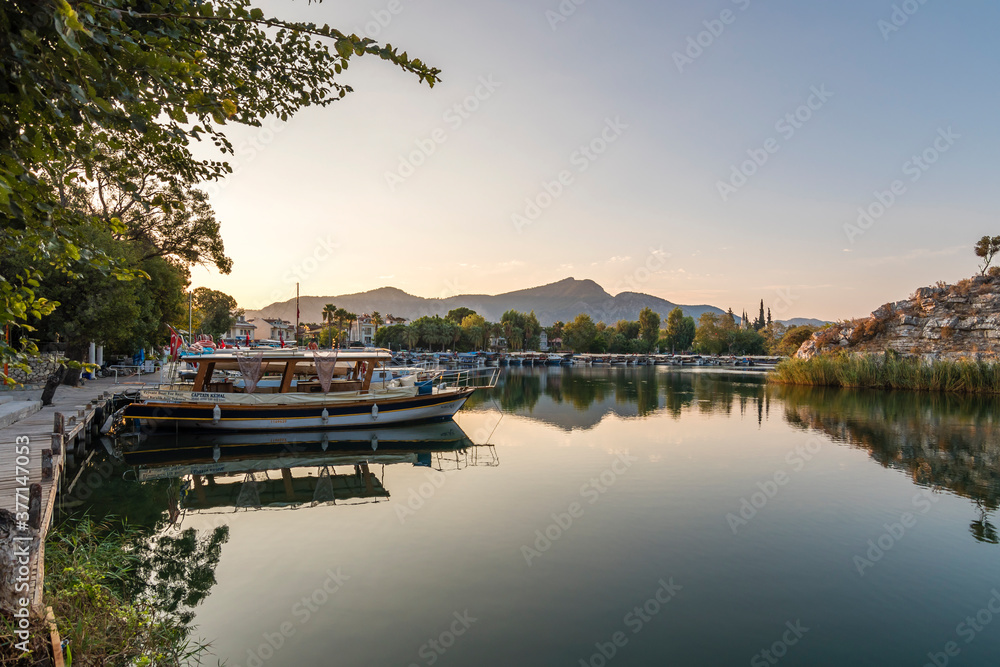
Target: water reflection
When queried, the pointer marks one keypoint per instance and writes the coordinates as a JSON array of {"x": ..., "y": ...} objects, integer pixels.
[
  {"x": 946, "y": 441},
  {"x": 553, "y": 394},
  {"x": 285, "y": 470}
]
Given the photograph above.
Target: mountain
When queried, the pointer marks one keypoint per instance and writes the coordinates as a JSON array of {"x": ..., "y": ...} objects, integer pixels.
[
  {"x": 804, "y": 321},
  {"x": 562, "y": 300}
]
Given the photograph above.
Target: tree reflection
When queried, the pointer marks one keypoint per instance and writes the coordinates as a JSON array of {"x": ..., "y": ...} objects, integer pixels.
[{"x": 939, "y": 440}]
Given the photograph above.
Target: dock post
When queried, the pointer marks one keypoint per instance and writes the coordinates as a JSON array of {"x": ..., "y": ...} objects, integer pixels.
[
  {"x": 46, "y": 464},
  {"x": 35, "y": 506},
  {"x": 57, "y": 442}
]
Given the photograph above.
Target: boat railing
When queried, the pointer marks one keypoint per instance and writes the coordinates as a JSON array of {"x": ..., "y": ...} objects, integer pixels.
[{"x": 484, "y": 377}]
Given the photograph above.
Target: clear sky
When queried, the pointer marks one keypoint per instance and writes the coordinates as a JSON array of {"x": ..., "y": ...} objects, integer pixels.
[{"x": 610, "y": 140}]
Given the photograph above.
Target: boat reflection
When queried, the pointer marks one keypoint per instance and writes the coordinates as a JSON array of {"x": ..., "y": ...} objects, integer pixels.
[{"x": 282, "y": 469}]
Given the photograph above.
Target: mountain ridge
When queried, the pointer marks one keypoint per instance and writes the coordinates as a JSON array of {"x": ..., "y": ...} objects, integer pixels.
[{"x": 562, "y": 300}]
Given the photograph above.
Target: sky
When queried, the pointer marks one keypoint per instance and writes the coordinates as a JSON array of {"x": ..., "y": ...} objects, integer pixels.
[{"x": 826, "y": 157}]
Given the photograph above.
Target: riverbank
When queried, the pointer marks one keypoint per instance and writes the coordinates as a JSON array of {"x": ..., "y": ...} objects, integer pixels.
[{"x": 887, "y": 371}]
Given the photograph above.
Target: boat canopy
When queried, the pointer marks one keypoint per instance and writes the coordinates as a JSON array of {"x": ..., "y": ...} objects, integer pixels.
[{"x": 288, "y": 355}]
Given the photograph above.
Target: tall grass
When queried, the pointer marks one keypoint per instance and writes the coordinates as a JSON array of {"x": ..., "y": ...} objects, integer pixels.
[
  {"x": 877, "y": 371},
  {"x": 90, "y": 568}
]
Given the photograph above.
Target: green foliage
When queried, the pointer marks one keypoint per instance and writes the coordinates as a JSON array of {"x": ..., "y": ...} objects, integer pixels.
[
  {"x": 393, "y": 337},
  {"x": 457, "y": 315},
  {"x": 115, "y": 596},
  {"x": 872, "y": 371},
  {"x": 475, "y": 331},
  {"x": 116, "y": 92},
  {"x": 680, "y": 332},
  {"x": 649, "y": 328},
  {"x": 580, "y": 335},
  {"x": 217, "y": 311},
  {"x": 985, "y": 249},
  {"x": 789, "y": 343}
]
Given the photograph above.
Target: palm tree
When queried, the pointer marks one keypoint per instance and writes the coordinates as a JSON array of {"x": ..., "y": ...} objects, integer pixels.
[
  {"x": 412, "y": 336},
  {"x": 341, "y": 315},
  {"x": 329, "y": 312},
  {"x": 351, "y": 319},
  {"x": 377, "y": 322}
]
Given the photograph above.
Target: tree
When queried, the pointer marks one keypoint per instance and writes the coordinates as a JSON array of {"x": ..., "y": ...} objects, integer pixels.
[
  {"x": 475, "y": 327},
  {"x": 986, "y": 248},
  {"x": 649, "y": 327},
  {"x": 761, "y": 322},
  {"x": 710, "y": 336},
  {"x": 790, "y": 343},
  {"x": 457, "y": 315},
  {"x": 768, "y": 317},
  {"x": 628, "y": 329},
  {"x": 675, "y": 322},
  {"x": 329, "y": 315},
  {"x": 85, "y": 81},
  {"x": 376, "y": 322},
  {"x": 579, "y": 335},
  {"x": 217, "y": 311}
]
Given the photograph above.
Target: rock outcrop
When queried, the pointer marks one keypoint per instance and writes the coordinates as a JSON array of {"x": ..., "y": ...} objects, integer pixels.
[{"x": 960, "y": 321}]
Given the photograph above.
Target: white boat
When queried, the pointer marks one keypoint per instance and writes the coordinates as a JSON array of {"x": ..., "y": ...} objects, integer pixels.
[{"x": 296, "y": 398}]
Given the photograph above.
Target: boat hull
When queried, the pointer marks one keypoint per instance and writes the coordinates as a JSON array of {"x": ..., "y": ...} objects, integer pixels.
[{"x": 208, "y": 416}]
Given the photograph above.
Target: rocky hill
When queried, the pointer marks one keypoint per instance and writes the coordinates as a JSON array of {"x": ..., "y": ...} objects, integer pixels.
[
  {"x": 939, "y": 322},
  {"x": 562, "y": 300}
]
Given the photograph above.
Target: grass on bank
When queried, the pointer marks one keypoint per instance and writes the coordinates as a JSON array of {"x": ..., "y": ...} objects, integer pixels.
[
  {"x": 90, "y": 573},
  {"x": 887, "y": 371}
]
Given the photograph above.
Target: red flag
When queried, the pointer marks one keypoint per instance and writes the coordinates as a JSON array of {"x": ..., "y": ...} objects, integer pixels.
[
  {"x": 248, "y": 339},
  {"x": 175, "y": 343},
  {"x": 222, "y": 344},
  {"x": 281, "y": 338}
]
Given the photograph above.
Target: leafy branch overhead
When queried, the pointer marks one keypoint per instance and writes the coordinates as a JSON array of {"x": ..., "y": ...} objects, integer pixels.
[{"x": 84, "y": 83}]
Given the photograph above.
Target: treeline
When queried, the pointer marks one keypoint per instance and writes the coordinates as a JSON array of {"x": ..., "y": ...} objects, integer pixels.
[
  {"x": 102, "y": 105},
  {"x": 463, "y": 330}
]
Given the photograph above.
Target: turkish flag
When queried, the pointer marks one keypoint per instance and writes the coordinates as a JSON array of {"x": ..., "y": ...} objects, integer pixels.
[{"x": 175, "y": 344}]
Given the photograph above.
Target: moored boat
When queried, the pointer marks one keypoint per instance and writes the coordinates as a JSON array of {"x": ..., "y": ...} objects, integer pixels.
[{"x": 309, "y": 390}]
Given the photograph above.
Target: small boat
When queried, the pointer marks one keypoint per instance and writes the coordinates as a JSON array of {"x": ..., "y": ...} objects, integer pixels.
[{"x": 295, "y": 397}]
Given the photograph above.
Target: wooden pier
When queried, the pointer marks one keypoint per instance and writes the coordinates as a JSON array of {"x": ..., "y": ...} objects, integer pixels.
[{"x": 44, "y": 441}]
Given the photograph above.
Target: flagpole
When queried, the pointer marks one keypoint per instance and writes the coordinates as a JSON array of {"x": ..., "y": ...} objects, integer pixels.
[{"x": 296, "y": 314}]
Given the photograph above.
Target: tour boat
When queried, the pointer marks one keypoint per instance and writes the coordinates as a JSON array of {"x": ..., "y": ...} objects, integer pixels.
[{"x": 314, "y": 390}]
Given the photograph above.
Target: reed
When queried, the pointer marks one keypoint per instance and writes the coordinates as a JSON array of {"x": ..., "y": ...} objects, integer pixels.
[{"x": 887, "y": 371}]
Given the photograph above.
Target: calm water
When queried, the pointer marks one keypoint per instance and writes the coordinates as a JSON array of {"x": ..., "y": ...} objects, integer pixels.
[{"x": 607, "y": 516}]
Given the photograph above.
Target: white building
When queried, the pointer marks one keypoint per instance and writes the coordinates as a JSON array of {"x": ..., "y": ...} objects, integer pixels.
[
  {"x": 241, "y": 328},
  {"x": 272, "y": 329}
]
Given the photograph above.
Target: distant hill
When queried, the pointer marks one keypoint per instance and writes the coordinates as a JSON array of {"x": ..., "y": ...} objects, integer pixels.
[
  {"x": 562, "y": 300},
  {"x": 804, "y": 321}
]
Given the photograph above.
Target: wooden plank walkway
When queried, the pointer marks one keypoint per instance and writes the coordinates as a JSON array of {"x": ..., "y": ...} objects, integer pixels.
[{"x": 68, "y": 425}]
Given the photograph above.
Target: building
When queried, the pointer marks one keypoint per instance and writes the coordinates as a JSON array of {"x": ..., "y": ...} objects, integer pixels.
[
  {"x": 363, "y": 329},
  {"x": 543, "y": 341},
  {"x": 272, "y": 329},
  {"x": 240, "y": 329}
]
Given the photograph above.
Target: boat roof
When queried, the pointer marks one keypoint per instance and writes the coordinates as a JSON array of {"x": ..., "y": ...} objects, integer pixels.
[{"x": 289, "y": 354}]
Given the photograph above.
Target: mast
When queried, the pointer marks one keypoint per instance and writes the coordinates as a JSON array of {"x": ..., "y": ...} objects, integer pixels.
[{"x": 296, "y": 314}]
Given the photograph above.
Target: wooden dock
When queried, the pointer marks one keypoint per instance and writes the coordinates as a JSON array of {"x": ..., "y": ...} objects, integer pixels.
[{"x": 67, "y": 428}]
